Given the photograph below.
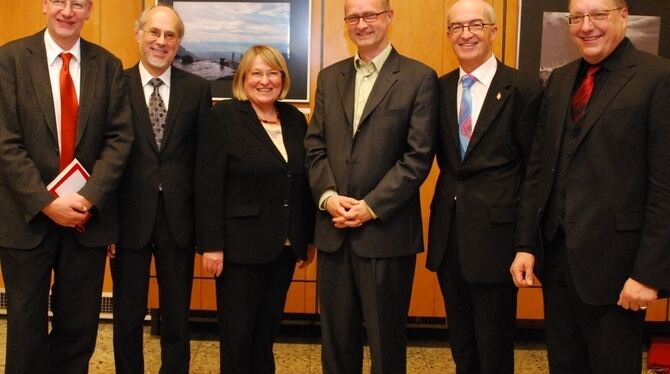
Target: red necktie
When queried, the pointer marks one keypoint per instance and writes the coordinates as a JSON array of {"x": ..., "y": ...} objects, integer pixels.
[
  {"x": 583, "y": 94},
  {"x": 69, "y": 109}
]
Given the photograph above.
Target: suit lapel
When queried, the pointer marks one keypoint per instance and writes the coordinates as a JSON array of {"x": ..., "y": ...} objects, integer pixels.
[
  {"x": 560, "y": 111},
  {"x": 88, "y": 66},
  {"x": 250, "y": 121},
  {"x": 139, "y": 103},
  {"x": 346, "y": 86},
  {"x": 613, "y": 85},
  {"x": 450, "y": 98},
  {"x": 496, "y": 96},
  {"x": 176, "y": 99},
  {"x": 385, "y": 80},
  {"x": 39, "y": 75}
]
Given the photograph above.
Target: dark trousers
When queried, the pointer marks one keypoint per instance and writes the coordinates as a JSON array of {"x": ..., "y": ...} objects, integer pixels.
[
  {"x": 353, "y": 290},
  {"x": 481, "y": 319},
  {"x": 584, "y": 338},
  {"x": 130, "y": 272},
  {"x": 251, "y": 302},
  {"x": 78, "y": 274}
]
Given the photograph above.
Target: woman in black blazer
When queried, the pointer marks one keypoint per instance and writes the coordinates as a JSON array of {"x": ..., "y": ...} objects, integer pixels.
[{"x": 254, "y": 213}]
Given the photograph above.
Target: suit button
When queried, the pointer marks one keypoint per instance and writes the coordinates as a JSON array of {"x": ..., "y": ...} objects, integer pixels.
[
  {"x": 285, "y": 203},
  {"x": 540, "y": 210},
  {"x": 553, "y": 170},
  {"x": 288, "y": 175}
]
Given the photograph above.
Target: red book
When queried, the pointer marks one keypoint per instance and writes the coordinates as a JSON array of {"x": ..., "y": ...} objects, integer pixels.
[{"x": 70, "y": 180}]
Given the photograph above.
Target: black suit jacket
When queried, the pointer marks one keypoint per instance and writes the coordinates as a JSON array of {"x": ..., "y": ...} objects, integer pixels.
[
  {"x": 488, "y": 180},
  {"x": 249, "y": 200},
  {"x": 29, "y": 153},
  {"x": 173, "y": 166},
  {"x": 384, "y": 163},
  {"x": 617, "y": 203}
]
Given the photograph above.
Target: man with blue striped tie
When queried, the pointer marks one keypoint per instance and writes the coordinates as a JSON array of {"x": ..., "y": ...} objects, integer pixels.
[{"x": 487, "y": 120}]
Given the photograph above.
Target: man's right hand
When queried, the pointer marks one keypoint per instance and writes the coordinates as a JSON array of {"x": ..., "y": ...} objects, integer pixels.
[
  {"x": 68, "y": 211},
  {"x": 522, "y": 269}
]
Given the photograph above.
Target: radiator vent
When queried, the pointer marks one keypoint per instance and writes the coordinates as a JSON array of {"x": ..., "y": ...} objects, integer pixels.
[{"x": 106, "y": 304}]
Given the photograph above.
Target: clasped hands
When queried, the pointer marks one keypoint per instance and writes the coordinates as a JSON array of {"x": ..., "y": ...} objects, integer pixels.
[
  {"x": 634, "y": 295},
  {"x": 69, "y": 210},
  {"x": 347, "y": 211}
]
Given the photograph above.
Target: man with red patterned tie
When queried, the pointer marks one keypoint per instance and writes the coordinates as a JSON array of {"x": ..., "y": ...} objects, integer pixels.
[
  {"x": 596, "y": 201},
  {"x": 62, "y": 98}
]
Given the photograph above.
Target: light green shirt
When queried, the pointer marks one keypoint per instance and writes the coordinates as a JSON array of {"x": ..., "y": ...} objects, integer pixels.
[{"x": 366, "y": 75}]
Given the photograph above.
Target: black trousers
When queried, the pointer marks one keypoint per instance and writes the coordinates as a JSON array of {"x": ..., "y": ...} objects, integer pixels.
[
  {"x": 130, "y": 272},
  {"x": 354, "y": 290},
  {"x": 481, "y": 317},
  {"x": 78, "y": 274},
  {"x": 251, "y": 302},
  {"x": 584, "y": 338}
]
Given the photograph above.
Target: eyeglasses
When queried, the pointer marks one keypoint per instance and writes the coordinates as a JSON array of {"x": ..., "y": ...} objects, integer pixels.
[
  {"x": 77, "y": 6},
  {"x": 474, "y": 27},
  {"x": 597, "y": 16},
  {"x": 271, "y": 75},
  {"x": 155, "y": 34},
  {"x": 367, "y": 17}
]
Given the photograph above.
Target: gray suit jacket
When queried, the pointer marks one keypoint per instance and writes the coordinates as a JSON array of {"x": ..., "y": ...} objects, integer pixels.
[
  {"x": 173, "y": 166},
  {"x": 384, "y": 163},
  {"x": 29, "y": 154}
]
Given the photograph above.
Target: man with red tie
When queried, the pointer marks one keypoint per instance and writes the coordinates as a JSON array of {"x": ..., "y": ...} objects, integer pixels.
[
  {"x": 62, "y": 98},
  {"x": 596, "y": 200}
]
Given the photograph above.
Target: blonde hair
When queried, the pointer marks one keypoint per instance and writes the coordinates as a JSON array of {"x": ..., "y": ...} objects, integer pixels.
[{"x": 272, "y": 57}]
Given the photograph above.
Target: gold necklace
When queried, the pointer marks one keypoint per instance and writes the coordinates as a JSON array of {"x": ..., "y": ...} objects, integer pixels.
[{"x": 269, "y": 122}]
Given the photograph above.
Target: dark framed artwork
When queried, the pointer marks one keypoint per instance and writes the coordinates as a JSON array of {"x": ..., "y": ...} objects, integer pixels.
[
  {"x": 544, "y": 41},
  {"x": 219, "y": 31}
]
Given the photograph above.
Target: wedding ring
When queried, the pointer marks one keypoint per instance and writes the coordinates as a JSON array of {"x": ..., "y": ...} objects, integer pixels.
[{"x": 643, "y": 307}]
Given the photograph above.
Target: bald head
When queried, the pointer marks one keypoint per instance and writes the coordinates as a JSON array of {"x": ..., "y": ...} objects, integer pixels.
[{"x": 488, "y": 12}]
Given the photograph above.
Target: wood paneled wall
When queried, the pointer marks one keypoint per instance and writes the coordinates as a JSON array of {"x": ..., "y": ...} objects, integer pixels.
[{"x": 418, "y": 31}]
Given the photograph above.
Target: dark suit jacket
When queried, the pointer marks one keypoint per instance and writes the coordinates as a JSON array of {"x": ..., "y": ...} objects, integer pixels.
[
  {"x": 617, "y": 204},
  {"x": 384, "y": 163},
  {"x": 488, "y": 180},
  {"x": 249, "y": 200},
  {"x": 29, "y": 154},
  {"x": 173, "y": 166}
]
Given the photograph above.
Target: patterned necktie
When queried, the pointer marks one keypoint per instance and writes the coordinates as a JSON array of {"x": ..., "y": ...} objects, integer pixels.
[
  {"x": 69, "y": 112},
  {"x": 583, "y": 94},
  {"x": 157, "y": 111},
  {"x": 465, "y": 113}
]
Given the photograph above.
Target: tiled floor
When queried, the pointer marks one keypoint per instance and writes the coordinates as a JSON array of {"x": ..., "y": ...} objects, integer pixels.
[{"x": 298, "y": 352}]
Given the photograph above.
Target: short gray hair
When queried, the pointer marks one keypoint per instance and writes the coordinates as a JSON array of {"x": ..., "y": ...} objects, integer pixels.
[{"x": 142, "y": 20}]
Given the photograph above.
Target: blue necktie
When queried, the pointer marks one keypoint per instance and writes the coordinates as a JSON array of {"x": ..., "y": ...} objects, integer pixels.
[{"x": 465, "y": 114}]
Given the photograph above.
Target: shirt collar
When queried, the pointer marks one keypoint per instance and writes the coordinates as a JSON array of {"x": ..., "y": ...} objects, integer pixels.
[
  {"x": 54, "y": 50},
  {"x": 484, "y": 72},
  {"x": 377, "y": 62},
  {"x": 145, "y": 76}
]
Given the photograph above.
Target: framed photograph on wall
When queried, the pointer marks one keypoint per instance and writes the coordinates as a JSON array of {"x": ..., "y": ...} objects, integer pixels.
[
  {"x": 219, "y": 31},
  {"x": 544, "y": 41}
]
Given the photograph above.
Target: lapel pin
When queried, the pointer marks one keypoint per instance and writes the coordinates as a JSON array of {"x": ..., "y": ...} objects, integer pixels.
[{"x": 498, "y": 96}]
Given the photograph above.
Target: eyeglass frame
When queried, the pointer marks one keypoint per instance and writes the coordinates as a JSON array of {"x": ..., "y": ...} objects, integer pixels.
[
  {"x": 604, "y": 13},
  {"x": 469, "y": 26},
  {"x": 74, "y": 6},
  {"x": 155, "y": 34},
  {"x": 270, "y": 74},
  {"x": 371, "y": 17}
]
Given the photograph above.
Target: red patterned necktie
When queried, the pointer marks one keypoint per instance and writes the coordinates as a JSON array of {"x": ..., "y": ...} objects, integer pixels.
[
  {"x": 583, "y": 94},
  {"x": 69, "y": 109}
]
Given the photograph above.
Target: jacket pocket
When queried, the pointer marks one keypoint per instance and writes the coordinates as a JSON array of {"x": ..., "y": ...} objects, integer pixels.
[
  {"x": 243, "y": 210},
  {"x": 629, "y": 221}
]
